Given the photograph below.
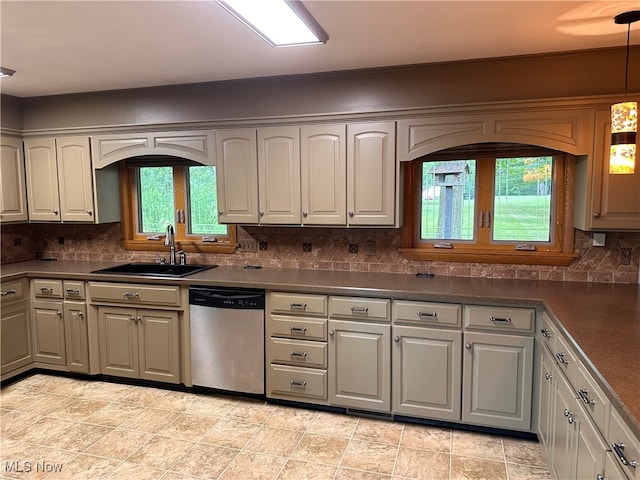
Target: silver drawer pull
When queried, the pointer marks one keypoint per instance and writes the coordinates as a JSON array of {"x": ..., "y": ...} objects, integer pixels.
[
  {"x": 618, "y": 448},
  {"x": 46, "y": 289},
  {"x": 8, "y": 292},
  {"x": 298, "y": 354},
  {"x": 548, "y": 376},
  {"x": 298, "y": 306},
  {"x": 302, "y": 330},
  {"x": 427, "y": 315},
  {"x": 583, "y": 395},
  {"x": 569, "y": 416},
  {"x": 501, "y": 320},
  {"x": 73, "y": 291},
  {"x": 363, "y": 310},
  {"x": 561, "y": 359},
  {"x": 297, "y": 383},
  {"x": 545, "y": 333},
  {"x": 131, "y": 294}
]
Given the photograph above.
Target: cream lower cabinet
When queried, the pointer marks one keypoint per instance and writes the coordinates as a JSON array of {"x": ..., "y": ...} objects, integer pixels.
[
  {"x": 139, "y": 343},
  {"x": 13, "y": 193},
  {"x": 49, "y": 343},
  {"x": 16, "y": 349},
  {"x": 76, "y": 336},
  {"x": 546, "y": 389}
]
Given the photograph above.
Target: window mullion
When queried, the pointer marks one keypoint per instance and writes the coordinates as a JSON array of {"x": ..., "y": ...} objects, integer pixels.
[
  {"x": 180, "y": 179},
  {"x": 484, "y": 200}
]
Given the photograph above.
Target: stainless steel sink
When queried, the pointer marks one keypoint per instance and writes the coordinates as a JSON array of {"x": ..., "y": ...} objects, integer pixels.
[{"x": 154, "y": 269}]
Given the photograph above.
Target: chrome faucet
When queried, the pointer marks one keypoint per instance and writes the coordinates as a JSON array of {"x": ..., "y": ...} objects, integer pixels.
[{"x": 170, "y": 241}]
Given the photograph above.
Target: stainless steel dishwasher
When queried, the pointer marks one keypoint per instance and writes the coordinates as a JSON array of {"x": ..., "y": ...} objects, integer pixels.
[{"x": 227, "y": 338}]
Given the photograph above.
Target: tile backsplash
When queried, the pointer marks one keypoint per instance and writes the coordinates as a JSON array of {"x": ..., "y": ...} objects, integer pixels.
[{"x": 365, "y": 250}]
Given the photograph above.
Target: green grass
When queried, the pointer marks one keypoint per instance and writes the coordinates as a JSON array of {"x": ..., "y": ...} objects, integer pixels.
[{"x": 516, "y": 218}]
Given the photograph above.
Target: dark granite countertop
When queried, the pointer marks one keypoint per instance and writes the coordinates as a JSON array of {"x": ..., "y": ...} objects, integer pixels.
[{"x": 603, "y": 320}]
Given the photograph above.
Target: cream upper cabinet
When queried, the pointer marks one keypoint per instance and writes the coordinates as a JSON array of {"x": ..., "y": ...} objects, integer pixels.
[
  {"x": 62, "y": 185},
  {"x": 237, "y": 175},
  {"x": 13, "y": 197},
  {"x": 371, "y": 174},
  {"x": 323, "y": 169},
  {"x": 604, "y": 201},
  {"x": 42, "y": 179},
  {"x": 279, "y": 175}
]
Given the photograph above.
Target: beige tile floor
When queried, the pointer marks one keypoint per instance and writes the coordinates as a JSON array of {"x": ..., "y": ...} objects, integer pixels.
[{"x": 62, "y": 428}]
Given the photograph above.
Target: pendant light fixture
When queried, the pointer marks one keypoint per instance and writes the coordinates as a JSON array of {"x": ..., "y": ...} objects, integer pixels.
[{"x": 624, "y": 116}]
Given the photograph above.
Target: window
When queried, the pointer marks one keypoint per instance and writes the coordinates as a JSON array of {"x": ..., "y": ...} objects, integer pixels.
[
  {"x": 158, "y": 192},
  {"x": 494, "y": 203}
]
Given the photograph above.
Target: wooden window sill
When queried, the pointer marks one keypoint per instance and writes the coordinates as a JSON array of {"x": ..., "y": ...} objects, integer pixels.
[
  {"x": 187, "y": 246},
  {"x": 479, "y": 256}
]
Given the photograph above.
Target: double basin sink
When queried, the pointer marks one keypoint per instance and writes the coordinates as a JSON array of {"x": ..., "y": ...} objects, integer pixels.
[{"x": 154, "y": 269}]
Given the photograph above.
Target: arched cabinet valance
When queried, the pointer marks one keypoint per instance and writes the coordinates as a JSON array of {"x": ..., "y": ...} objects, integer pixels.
[{"x": 198, "y": 146}]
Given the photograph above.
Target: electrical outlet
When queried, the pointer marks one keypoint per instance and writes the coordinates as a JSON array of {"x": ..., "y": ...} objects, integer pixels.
[
  {"x": 248, "y": 245},
  {"x": 306, "y": 247},
  {"x": 625, "y": 256}
]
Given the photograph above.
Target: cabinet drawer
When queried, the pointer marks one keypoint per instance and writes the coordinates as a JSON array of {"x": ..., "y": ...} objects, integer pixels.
[
  {"x": 13, "y": 291},
  {"x": 73, "y": 290},
  {"x": 297, "y": 382},
  {"x": 356, "y": 307},
  {"x": 547, "y": 332},
  {"x": 427, "y": 313},
  {"x": 592, "y": 398},
  {"x": 499, "y": 318},
  {"x": 624, "y": 444},
  {"x": 299, "y": 303},
  {"x": 47, "y": 288},
  {"x": 566, "y": 359},
  {"x": 133, "y": 294},
  {"x": 298, "y": 352},
  {"x": 297, "y": 327}
]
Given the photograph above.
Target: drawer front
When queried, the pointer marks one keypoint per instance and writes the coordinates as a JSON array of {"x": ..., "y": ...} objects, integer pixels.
[
  {"x": 73, "y": 290},
  {"x": 592, "y": 398},
  {"x": 427, "y": 313},
  {"x": 47, "y": 288},
  {"x": 500, "y": 318},
  {"x": 297, "y": 327},
  {"x": 13, "y": 291},
  {"x": 624, "y": 445},
  {"x": 299, "y": 303},
  {"x": 547, "y": 332},
  {"x": 133, "y": 294},
  {"x": 297, "y": 382},
  {"x": 297, "y": 352},
  {"x": 362, "y": 308},
  {"x": 566, "y": 359}
]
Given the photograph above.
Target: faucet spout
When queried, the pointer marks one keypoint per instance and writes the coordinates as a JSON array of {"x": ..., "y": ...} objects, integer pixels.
[{"x": 170, "y": 241}]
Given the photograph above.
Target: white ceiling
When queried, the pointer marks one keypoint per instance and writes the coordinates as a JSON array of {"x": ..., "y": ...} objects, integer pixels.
[{"x": 79, "y": 46}]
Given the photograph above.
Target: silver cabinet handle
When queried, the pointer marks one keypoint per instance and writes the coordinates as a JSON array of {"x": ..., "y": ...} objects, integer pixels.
[
  {"x": 132, "y": 318},
  {"x": 596, "y": 214},
  {"x": 46, "y": 289},
  {"x": 427, "y": 315},
  {"x": 618, "y": 448},
  {"x": 569, "y": 416},
  {"x": 583, "y": 395},
  {"x": 298, "y": 383},
  {"x": 73, "y": 291},
  {"x": 261, "y": 213},
  {"x": 304, "y": 214},
  {"x": 55, "y": 212},
  {"x": 331, "y": 333},
  {"x": 298, "y": 354},
  {"x": 298, "y": 306},
  {"x": 301, "y": 330},
  {"x": 89, "y": 212},
  {"x": 545, "y": 333},
  {"x": 468, "y": 346},
  {"x": 600, "y": 477},
  {"x": 131, "y": 294},
  {"x": 561, "y": 359},
  {"x": 8, "y": 292},
  {"x": 351, "y": 214},
  {"x": 220, "y": 213},
  {"x": 500, "y": 320},
  {"x": 548, "y": 376},
  {"x": 363, "y": 310},
  {"x": 59, "y": 313},
  {"x": 396, "y": 339}
]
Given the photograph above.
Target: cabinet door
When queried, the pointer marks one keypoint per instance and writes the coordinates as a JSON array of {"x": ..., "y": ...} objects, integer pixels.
[
  {"x": 15, "y": 336},
  {"x": 590, "y": 448},
  {"x": 118, "y": 338},
  {"x": 497, "y": 380},
  {"x": 159, "y": 345},
  {"x": 48, "y": 333},
  {"x": 279, "y": 175},
  {"x": 42, "y": 179},
  {"x": 75, "y": 177},
  {"x": 427, "y": 372},
  {"x": 565, "y": 428},
  {"x": 76, "y": 335},
  {"x": 371, "y": 174},
  {"x": 360, "y": 364},
  {"x": 237, "y": 176},
  {"x": 545, "y": 381},
  {"x": 13, "y": 194},
  {"x": 323, "y": 172}
]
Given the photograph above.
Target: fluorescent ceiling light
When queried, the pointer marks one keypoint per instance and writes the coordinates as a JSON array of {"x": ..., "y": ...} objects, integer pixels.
[
  {"x": 6, "y": 72},
  {"x": 279, "y": 22}
]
